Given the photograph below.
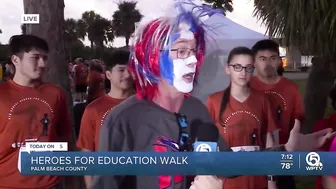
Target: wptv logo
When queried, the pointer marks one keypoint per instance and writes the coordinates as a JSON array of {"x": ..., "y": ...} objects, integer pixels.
[
  {"x": 314, "y": 162},
  {"x": 30, "y": 19}
]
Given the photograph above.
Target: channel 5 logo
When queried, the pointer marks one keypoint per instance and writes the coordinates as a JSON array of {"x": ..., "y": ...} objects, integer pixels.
[
  {"x": 314, "y": 162},
  {"x": 203, "y": 148}
]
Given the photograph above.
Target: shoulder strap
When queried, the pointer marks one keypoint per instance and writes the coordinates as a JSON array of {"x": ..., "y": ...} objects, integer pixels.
[{"x": 184, "y": 136}]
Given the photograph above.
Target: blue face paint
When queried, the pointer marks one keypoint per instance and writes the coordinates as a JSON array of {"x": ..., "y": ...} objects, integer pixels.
[
  {"x": 166, "y": 67},
  {"x": 166, "y": 63}
]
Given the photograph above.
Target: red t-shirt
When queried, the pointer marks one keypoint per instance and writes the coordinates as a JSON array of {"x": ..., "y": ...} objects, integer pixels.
[
  {"x": 81, "y": 74},
  {"x": 21, "y": 111},
  {"x": 329, "y": 122},
  {"x": 92, "y": 120},
  {"x": 240, "y": 120},
  {"x": 286, "y": 103}
]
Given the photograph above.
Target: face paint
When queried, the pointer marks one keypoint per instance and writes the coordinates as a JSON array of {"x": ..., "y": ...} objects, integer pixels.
[
  {"x": 184, "y": 73},
  {"x": 166, "y": 67},
  {"x": 179, "y": 72}
]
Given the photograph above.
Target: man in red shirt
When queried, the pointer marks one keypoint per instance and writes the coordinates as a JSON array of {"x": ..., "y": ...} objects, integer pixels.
[
  {"x": 81, "y": 72},
  {"x": 121, "y": 85},
  {"x": 284, "y": 94},
  {"x": 24, "y": 102}
]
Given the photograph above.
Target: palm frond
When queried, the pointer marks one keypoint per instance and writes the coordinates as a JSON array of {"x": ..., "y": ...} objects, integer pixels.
[
  {"x": 124, "y": 19},
  {"x": 305, "y": 24}
]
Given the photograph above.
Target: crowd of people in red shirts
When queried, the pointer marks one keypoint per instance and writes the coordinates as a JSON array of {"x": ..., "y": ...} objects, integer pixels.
[
  {"x": 103, "y": 85},
  {"x": 25, "y": 98}
]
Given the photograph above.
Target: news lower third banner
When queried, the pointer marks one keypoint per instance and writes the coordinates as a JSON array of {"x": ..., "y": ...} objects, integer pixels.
[{"x": 177, "y": 163}]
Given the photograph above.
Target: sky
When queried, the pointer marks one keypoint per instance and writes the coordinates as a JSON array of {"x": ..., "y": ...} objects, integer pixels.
[{"x": 11, "y": 11}]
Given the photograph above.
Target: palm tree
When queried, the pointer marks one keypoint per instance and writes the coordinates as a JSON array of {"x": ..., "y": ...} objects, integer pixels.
[
  {"x": 72, "y": 33},
  {"x": 225, "y": 5},
  {"x": 97, "y": 29},
  {"x": 308, "y": 25},
  {"x": 86, "y": 23},
  {"x": 124, "y": 20},
  {"x": 102, "y": 33}
]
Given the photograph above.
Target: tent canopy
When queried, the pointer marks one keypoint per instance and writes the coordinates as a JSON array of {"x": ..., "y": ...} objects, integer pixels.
[{"x": 225, "y": 35}]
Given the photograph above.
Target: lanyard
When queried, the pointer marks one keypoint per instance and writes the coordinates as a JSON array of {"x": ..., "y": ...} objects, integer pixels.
[{"x": 184, "y": 138}]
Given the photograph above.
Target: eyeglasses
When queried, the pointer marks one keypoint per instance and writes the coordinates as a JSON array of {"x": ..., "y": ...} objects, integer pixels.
[
  {"x": 183, "y": 53},
  {"x": 239, "y": 68}
]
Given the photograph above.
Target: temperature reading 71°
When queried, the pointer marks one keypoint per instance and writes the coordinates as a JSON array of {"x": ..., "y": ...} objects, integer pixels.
[{"x": 286, "y": 165}]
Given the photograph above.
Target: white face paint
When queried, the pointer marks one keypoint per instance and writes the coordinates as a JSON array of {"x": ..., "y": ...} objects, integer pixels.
[
  {"x": 184, "y": 73},
  {"x": 184, "y": 69}
]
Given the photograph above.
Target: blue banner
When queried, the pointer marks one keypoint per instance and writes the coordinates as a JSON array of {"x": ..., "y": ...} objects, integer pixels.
[{"x": 189, "y": 163}]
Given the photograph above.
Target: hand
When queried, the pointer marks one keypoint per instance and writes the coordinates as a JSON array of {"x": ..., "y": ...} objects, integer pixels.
[
  {"x": 310, "y": 142},
  {"x": 329, "y": 182},
  {"x": 206, "y": 182},
  {"x": 272, "y": 185}
]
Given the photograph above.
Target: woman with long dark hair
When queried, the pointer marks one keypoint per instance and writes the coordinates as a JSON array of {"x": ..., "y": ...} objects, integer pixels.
[{"x": 243, "y": 115}]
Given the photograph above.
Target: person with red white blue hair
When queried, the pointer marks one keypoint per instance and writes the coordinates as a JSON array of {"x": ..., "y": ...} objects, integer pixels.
[
  {"x": 165, "y": 58},
  {"x": 170, "y": 49}
]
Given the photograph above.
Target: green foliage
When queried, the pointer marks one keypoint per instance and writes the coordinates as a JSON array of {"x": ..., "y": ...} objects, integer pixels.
[
  {"x": 96, "y": 28},
  {"x": 125, "y": 18},
  {"x": 102, "y": 32},
  {"x": 225, "y": 5},
  {"x": 308, "y": 24},
  {"x": 78, "y": 49},
  {"x": 72, "y": 31},
  {"x": 86, "y": 22}
]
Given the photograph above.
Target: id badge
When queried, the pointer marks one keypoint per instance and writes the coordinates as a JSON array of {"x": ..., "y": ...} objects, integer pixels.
[{"x": 245, "y": 149}]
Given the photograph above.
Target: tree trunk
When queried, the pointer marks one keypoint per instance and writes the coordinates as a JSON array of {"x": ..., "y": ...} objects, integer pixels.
[
  {"x": 68, "y": 50},
  {"x": 127, "y": 39},
  {"x": 319, "y": 84},
  {"x": 91, "y": 47},
  {"x": 102, "y": 49},
  {"x": 51, "y": 29}
]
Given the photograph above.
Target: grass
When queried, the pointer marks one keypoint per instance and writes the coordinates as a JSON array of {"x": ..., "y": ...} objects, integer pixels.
[{"x": 307, "y": 182}]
